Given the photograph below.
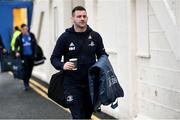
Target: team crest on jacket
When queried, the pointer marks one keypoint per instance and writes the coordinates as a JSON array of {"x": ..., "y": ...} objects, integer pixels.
[
  {"x": 91, "y": 44},
  {"x": 69, "y": 98},
  {"x": 71, "y": 46}
]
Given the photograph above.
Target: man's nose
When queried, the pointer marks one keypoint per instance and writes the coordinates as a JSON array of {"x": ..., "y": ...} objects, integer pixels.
[{"x": 82, "y": 18}]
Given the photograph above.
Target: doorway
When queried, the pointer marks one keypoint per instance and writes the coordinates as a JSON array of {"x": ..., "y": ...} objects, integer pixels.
[{"x": 19, "y": 16}]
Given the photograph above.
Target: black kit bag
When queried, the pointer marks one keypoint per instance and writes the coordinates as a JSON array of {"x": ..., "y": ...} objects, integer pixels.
[
  {"x": 18, "y": 69},
  {"x": 39, "y": 56},
  {"x": 56, "y": 86},
  {"x": 56, "y": 89},
  {"x": 6, "y": 63}
]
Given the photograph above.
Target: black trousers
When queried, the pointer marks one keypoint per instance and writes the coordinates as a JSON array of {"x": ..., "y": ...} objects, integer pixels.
[
  {"x": 28, "y": 67},
  {"x": 79, "y": 101}
]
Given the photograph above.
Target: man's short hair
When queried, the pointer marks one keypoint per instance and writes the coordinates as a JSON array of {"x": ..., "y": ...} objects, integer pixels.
[
  {"x": 78, "y": 8},
  {"x": 16, "y": 28},
  {"x": 23, "y": 25}
]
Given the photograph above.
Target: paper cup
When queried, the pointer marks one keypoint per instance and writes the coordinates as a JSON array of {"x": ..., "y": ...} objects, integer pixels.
[{"x": 74, "y": 60}]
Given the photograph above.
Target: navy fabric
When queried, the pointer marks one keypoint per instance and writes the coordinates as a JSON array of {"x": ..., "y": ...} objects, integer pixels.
[
  {"x": 69, "y": 43},
  {"x": 56, "y": 89},
  {"x": 28, "y": 67},
  {"x": 39, "y": 57},
  {"x": 103, "y": 83},
  {"x": 18, "y": 69},
  {"x": 6, "y": 63},
  {"x": 27, "y": 48},
  {"x": 79, "y": 102},
  {"x": 86, "y": 47}
]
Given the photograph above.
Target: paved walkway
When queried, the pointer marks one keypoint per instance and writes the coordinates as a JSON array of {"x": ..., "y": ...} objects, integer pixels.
[{"x": 15, "y": 103}]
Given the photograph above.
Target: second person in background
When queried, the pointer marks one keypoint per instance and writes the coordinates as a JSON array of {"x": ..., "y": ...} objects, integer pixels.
[
  {"x": 16, "y": 33},
  {"x": 25, "y": 48}
]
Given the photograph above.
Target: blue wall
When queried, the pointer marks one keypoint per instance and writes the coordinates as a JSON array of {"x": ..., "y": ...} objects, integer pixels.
[{"x": 6, "y": 18}]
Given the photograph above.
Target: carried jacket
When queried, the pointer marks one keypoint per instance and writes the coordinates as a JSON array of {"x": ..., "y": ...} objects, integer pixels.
[{"x": 103, "y": 83}]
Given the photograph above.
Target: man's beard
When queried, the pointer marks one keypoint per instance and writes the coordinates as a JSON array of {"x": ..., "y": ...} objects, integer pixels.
[{"x": 81, "y": 25}]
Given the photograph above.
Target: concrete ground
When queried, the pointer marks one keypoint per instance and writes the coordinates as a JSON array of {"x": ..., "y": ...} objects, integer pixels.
[{"x": 15, "y": 103}]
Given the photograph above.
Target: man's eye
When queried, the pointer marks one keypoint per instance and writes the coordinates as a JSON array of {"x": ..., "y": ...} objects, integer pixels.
[{"x": 84, "y": 16}]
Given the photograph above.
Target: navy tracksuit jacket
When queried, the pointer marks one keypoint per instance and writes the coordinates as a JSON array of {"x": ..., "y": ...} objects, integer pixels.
[{"x": 76, "y": 82}]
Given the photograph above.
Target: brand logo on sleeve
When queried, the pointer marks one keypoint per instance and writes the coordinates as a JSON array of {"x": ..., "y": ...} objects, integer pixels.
[{"x": 90, "y": 37}]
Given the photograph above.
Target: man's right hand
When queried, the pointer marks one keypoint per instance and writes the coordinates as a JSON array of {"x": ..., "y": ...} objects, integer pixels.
[
  {"x": 68, "y": 66},
  {"x": 4, "y": 50},
  {"x": 17, "y": 54}
]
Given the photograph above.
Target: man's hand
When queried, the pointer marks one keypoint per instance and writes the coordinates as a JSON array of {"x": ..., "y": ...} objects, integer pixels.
[
  {"x": 17, "y": 54},
  {"x": 4, "y": 50},
  {"x": 68, "y": 66}
]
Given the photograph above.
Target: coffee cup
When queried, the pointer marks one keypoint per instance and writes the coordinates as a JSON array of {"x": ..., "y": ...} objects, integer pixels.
[{"x": 74, "y": 61}]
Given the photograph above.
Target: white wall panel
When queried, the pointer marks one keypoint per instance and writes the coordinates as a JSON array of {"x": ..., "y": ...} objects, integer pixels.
[
  {"x": 159, "y": 76},
  {"x": 154, "y": 25},
  {"x": 44, "y": 38},
  {"x": 111, "y": 21},
  {"x": 142, "y": 28},
  {"x": 158, "y": 41},
  {"x": 160, "y": 95},
  {"x": 155, "y": 111}
]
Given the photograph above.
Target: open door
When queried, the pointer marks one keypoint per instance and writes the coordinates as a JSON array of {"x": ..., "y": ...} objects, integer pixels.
[
  {"x": 19, "y": 16},
  {"x": 13, "y": 13}
]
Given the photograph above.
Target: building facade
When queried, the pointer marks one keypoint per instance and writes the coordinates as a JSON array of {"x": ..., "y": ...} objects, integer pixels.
[{"x": 142, "y": 40}]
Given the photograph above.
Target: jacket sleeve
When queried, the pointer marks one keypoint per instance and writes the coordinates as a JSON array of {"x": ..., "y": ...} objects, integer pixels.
[
  {"x": 17, "y": 44},
  {"x": 1, "y": 42},
  {"x": 34, "y": 43},
  {"x": 57, "y": 54},
  {"x": 100, "y": 50}
]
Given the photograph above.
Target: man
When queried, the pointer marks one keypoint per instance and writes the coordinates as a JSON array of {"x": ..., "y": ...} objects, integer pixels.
[
  {"x": 16, "y": 33},
  {"x": 26, "y": 41},
  {"x": 82, "y": 43}
]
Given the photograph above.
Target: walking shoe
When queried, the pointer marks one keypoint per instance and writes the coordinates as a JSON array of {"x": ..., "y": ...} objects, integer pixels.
[{"x": 26, "y": 88}]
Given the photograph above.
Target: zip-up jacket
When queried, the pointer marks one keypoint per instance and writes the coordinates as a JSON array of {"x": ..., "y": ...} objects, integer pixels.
[
  {"x": 19, "y": 43},
  {"x": 69, "y": 43},
  {"x": 103, "y": 83}
]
